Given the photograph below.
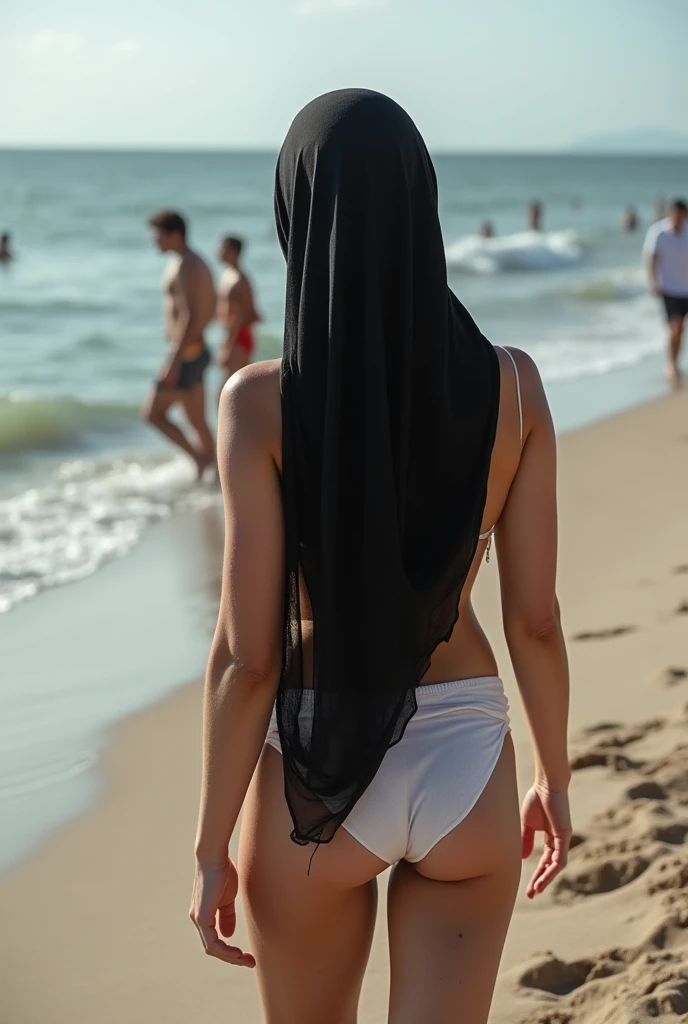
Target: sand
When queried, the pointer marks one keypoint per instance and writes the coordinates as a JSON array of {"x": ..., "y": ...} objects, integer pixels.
[{"x": 94, "y": 925}]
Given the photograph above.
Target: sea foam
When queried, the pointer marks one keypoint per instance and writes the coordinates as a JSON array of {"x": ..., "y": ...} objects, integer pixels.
[
  {"x": 525, "y": 251},
  {"x": 88, "y": 513}
]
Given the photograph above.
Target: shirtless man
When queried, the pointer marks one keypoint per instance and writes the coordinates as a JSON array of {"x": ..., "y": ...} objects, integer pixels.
[
  {"x": 188, "y": 308},
  {"x": 236, "y": 310}
]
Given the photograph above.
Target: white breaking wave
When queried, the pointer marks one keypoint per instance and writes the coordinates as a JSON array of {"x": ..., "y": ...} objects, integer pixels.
[
  {"x": 527, "y": 250},
  {"x": 574, "y": 359},
  {"x": 619, "y": 284},
  {"x": 624, "y": 334},
  {"x": 92, "y": 511}
]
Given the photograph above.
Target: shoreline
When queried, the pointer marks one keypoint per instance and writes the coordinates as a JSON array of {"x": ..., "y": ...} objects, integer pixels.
[
  {"x": 117, "y": 642},
  {"x": 125, "y": 862},
  {"x": 107, "y": 494}
]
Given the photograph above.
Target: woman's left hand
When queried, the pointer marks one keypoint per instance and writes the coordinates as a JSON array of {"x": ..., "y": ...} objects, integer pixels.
[{"x": 212, "y": 907}]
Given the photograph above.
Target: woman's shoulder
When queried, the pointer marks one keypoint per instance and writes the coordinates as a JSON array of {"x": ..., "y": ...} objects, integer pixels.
[
  {"x": 529, "y": 379},
  {"x": 252, "y": 381},
  {"x": 525, "y": 364},
  {"x": 250, "y": 400},
  {"x": 534, "y": 408}
]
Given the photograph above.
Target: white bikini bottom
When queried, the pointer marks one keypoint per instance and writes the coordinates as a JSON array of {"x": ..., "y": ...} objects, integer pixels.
[{"x": 432, "y": 778}]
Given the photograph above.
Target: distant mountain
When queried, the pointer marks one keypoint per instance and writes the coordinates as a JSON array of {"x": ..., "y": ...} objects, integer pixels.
[{"x": 643, "y": 141}]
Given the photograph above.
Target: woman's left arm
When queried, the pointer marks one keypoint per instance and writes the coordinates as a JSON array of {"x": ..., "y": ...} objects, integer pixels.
[{"x": 243, "y": 668}]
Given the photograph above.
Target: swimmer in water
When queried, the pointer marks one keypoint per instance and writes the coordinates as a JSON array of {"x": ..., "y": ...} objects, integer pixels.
[{"x": 6, "y": 254}]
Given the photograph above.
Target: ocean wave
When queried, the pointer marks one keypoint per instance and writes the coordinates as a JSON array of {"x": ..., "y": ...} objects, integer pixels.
[
  {"x": 623, "y": 335},
  {"x": 91, "y": 512},
  {"x": 576, "y": 359},
  {"x": 54, "y": 423},
  {"x": 525, "y": 251},
  {"x": 52, "y": 305},
  {"x": 96, "y": 343},
  {"x": 616, "y": 285}
]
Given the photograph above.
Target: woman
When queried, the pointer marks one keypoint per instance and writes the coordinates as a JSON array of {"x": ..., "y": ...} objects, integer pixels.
[{"x": 352, "y": 698}]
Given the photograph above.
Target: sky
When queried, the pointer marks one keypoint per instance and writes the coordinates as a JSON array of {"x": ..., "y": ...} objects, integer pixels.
[{"x": 513, "y": 75}]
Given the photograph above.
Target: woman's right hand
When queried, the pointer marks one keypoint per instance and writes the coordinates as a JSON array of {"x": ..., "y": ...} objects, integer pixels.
[
  {"x": 545, "y": 810},
  {"x": 213, "y": 906}
]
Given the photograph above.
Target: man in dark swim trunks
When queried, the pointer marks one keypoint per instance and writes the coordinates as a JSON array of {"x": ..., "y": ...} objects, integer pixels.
[
  {"x": 188, "y": 308},
  {"x": 666, "y": 259},
  {"x": 236, "y": 310}
]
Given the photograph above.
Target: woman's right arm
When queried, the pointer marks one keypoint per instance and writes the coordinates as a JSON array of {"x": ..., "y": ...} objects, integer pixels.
[{"x": 526, "y": 541}]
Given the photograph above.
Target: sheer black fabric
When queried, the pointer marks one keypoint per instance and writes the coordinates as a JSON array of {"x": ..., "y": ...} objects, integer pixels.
[{"x": 390, "y": 397}]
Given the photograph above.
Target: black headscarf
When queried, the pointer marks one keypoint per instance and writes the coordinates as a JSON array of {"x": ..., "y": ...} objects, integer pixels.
[{"x": 390, "y": 396}]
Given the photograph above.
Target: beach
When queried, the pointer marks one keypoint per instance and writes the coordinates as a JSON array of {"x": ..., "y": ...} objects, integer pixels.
[{"x": 95, "y": 924}]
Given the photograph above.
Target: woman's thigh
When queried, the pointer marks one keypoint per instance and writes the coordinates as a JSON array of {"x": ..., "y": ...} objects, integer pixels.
[
  {"x": 449, "y": 914},
  {"x": 310, "y": 930}
]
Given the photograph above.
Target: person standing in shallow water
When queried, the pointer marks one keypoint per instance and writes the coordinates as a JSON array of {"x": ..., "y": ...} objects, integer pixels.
[
  {"x": 6, "y": 254},
  {"x": 535, "y": 213},
  {"x": 352, "y": 699},
  {"x": 236, "y": 310},
  {"x": 188, "y": 308},
  {"x": 630, "y": 220}
]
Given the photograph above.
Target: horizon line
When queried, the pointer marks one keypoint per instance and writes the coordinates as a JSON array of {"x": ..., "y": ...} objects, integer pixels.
[{"x": 572, "y": 150}]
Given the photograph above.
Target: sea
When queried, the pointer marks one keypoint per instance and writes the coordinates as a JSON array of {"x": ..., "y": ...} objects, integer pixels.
[{"x": 82, "y": 479}]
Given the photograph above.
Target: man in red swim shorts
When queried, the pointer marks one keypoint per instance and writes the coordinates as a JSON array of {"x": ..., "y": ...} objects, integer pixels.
[{"x": 236, "y": 310}]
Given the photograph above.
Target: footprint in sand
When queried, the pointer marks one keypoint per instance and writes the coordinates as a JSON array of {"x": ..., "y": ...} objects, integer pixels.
[
  {"x": 560, "y": 978},
  {"x": 671, "y": 773},
  {"x": 649, "y": 821},
  {"x": 673, "y": 834},
  {"x": 682, "y": 608},
  {"x": 646, "y": 791},
  {"x": 603, "y": 759},
  {"x": 599, "y": 874},
  {"x": 669, "y": 875},
  {"x": 672, "y": 676},
  {"x": 600, "y": 745},
  {"x": 604, "y": 634},
  {"x": 614, "y": 734},
  {"x": 680, "y": 570},
  {"x": 618, "y": 986}
]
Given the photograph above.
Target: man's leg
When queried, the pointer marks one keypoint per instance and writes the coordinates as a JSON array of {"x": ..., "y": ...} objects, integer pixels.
[
  {"x": 193, "y": 401},
  {"x": 675, "y": 340},
  {"x": 154, "y": 411}
]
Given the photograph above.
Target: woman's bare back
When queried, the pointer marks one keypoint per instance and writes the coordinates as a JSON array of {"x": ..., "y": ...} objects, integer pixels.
[{"x": 468, "y": 652}]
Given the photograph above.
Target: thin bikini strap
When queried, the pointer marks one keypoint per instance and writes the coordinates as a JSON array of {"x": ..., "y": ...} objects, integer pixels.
[
  {"x": 518, "y": 392},
  {"x": 490, "y": 533}
]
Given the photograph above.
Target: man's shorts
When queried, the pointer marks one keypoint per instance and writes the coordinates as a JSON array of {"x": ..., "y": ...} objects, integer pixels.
[
  {"x": 676, "y": 306},
  {"x": 190, "y": 373}
]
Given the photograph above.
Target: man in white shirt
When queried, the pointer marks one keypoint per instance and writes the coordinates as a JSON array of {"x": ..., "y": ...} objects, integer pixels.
[{"x": 666, "y": 257}]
